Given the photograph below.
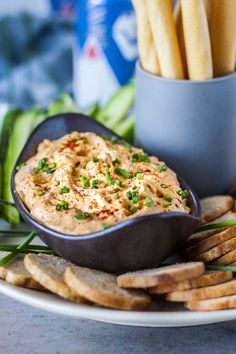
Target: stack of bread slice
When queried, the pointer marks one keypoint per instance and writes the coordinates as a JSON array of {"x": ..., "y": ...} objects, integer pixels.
[{"x": 217, "y": 246}]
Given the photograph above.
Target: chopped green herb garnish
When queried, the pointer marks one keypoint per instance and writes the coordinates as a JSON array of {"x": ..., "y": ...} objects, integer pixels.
[
  {"x": 108, "y": 178},
  {"x": 118, "y": 183},
  {"x": 114, "y": 139},
  {"x": 140, "y": 157},
  {"x": 163, "y": 185},
  {"x": 116, "y": 161},
  {"x": 95, "y": 183},
  {"x": 134, "y": 187},
  {"x": 138, "y": 175},
  {"x": 95, "y": 159},
  {"x": 104, "y": 225},
  {"x": 62, "y": 205},
  {"x": 20, "y": 166},
  {"x": 133, "y": 209},
  {"x": 85, "y": 141},
  {"x": 162, "y": 167},
  {"x": 64, "y": 190},
  {"x": 127, "y": 145},
  {"x": 183, "y": 193},
  {"x": 168, "y": 198},
  {"x": 148, "y": 202},
  {"x": 85, "y": 181},
  {"x": 41, "y": 192},
  {"x": 41, "y": 164},
  {"x": 119, "y": 171},
  {"x": 133, "y": 195},
  {"x": 166, "y": 205},
  {"x": 81, "y": 216},
  {"x": 105, "y": 137}
]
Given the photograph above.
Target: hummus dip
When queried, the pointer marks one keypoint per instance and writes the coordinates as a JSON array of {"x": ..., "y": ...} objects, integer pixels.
[{"x": 83, "y": 183}]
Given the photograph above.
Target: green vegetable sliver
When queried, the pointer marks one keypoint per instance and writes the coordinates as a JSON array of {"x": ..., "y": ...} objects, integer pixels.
[
  {"x": 218, "y": 225},
  {"x": 21, "y": 246},
  {"x": 223, "y": 268}
]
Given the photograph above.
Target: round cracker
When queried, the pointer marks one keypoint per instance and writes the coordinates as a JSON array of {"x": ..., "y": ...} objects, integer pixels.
[
  {"x": 207, "y": 279},
  {"x": 101, "y": 288},
  {"x": 48, "y": 270},
  {"x": 161, "y": 276},
  {"x": 222, "y": 303},
  {"x": 208, "y": 292}
]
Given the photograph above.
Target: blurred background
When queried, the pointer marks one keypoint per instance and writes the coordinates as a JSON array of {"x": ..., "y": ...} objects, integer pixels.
[{"x": 84, "y": 47}]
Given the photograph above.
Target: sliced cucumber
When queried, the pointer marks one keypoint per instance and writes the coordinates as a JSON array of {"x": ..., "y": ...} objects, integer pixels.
[
  {"x": 92, "y": 110},
  {"x": 63, "y": 104},
  {"x": 126, "y": 129},
  {"x": 117, "y": 107},
  {"x": 21, "y": 130}
]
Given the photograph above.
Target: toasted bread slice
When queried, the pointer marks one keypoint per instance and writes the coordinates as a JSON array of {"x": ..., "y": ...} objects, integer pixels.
[
  {"x": 102, "y": 289},
  {"x": 207, "y": 279},
  {"x": 48, "y": 271},
  {"x": 232, "y": 264},
  {"x": 222, "y": 303},
  {"x": 199, "y": 236},
  {"x": 208, "y": 292},
  {"x": 215, "y": 206},
  {"x": 211, "y": 242},
  {"x": 227, "y": 259},
  {"x": 218, "y": 251},
  {"x": 15, "y": 273},
  {"x": 161, "y": 276}
]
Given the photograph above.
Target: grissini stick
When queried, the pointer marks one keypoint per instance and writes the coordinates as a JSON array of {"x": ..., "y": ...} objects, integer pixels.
[
  {"x": 165, "y": 38},
  {"x": 223, "y": 34},
  {"x": 180, "y": 35},
  {"x": 147, "y": 53},
  {"x": 197, "y": 40}
]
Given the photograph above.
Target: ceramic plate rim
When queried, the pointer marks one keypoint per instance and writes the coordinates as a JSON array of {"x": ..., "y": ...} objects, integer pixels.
[{"x": 51, "y": 303}]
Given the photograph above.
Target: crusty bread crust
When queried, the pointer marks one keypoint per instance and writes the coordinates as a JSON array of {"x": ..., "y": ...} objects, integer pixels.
[
  {"x": 48, "y": 271},
  {"x": 218, "y": 251},
  {"x": 215, "y": 206},
  {"x": 208, "y": 292},
  {"x": 161, "y": 276},
  {"x": 222, "y": 303},
  {"x": 101, "y": 288},
  {"x": 207, "y": 279}
]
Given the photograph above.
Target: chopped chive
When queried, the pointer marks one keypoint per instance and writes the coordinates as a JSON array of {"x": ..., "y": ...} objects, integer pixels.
[
  {"x": 140, "y": 157},
  {"x": 64, "y": 190},
  {"x": 133, "y": 209},
  {"x": 116, "y": 161},
  {"x": 81, "y": 216},
  {"x": 95, "y": 159},
  {"x": 109, "y": 180},
  {"x": 162, "y": 167},
  {"x": 62, "y": 205},
  {"x": 119, "y": 171},
  {"x": 183, "y": 193},
  {"x": 163, "y": 185},
  {"x": 114, "y": 139},
  {"x": 138, "y": 175},
  {"x": 118, "y": 183},
  {"x": 85, "y": 181},
  {"x": 166, "y": 205},
  {"x": 168, "y": 198},
  {"x": 127, "y": 145},
  {"x": 41, "y": 192},
  {"x": 148, "y": 202},
  {"x": 104, "y": 225},
  {"x": 95, "y": 183}
]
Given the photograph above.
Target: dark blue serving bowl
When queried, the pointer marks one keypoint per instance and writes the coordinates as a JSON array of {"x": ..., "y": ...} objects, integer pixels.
[{"x": 136, "y": 243}]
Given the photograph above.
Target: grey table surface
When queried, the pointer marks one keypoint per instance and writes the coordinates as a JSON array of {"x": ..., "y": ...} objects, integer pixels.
[{"x": 26, "y": 330}]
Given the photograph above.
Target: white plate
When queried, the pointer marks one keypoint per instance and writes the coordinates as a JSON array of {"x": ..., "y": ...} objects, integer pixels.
[{"x": 162, "y": 314}]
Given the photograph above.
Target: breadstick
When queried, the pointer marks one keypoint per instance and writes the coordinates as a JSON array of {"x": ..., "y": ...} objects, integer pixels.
[
  {"x": 180, "y": 34},
  {"x": 223, "y": 34},
  {"x": 197, "y": 40},
  {"x": 165, "y": 38},
  {"x": 147, "y": 53}
]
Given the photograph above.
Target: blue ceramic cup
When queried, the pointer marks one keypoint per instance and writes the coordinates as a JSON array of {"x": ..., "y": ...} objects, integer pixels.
[{"x": 191, "y": 125}]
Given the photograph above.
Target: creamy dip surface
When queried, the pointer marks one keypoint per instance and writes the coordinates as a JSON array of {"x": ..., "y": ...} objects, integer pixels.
[{"x": 83, "y": 183}]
